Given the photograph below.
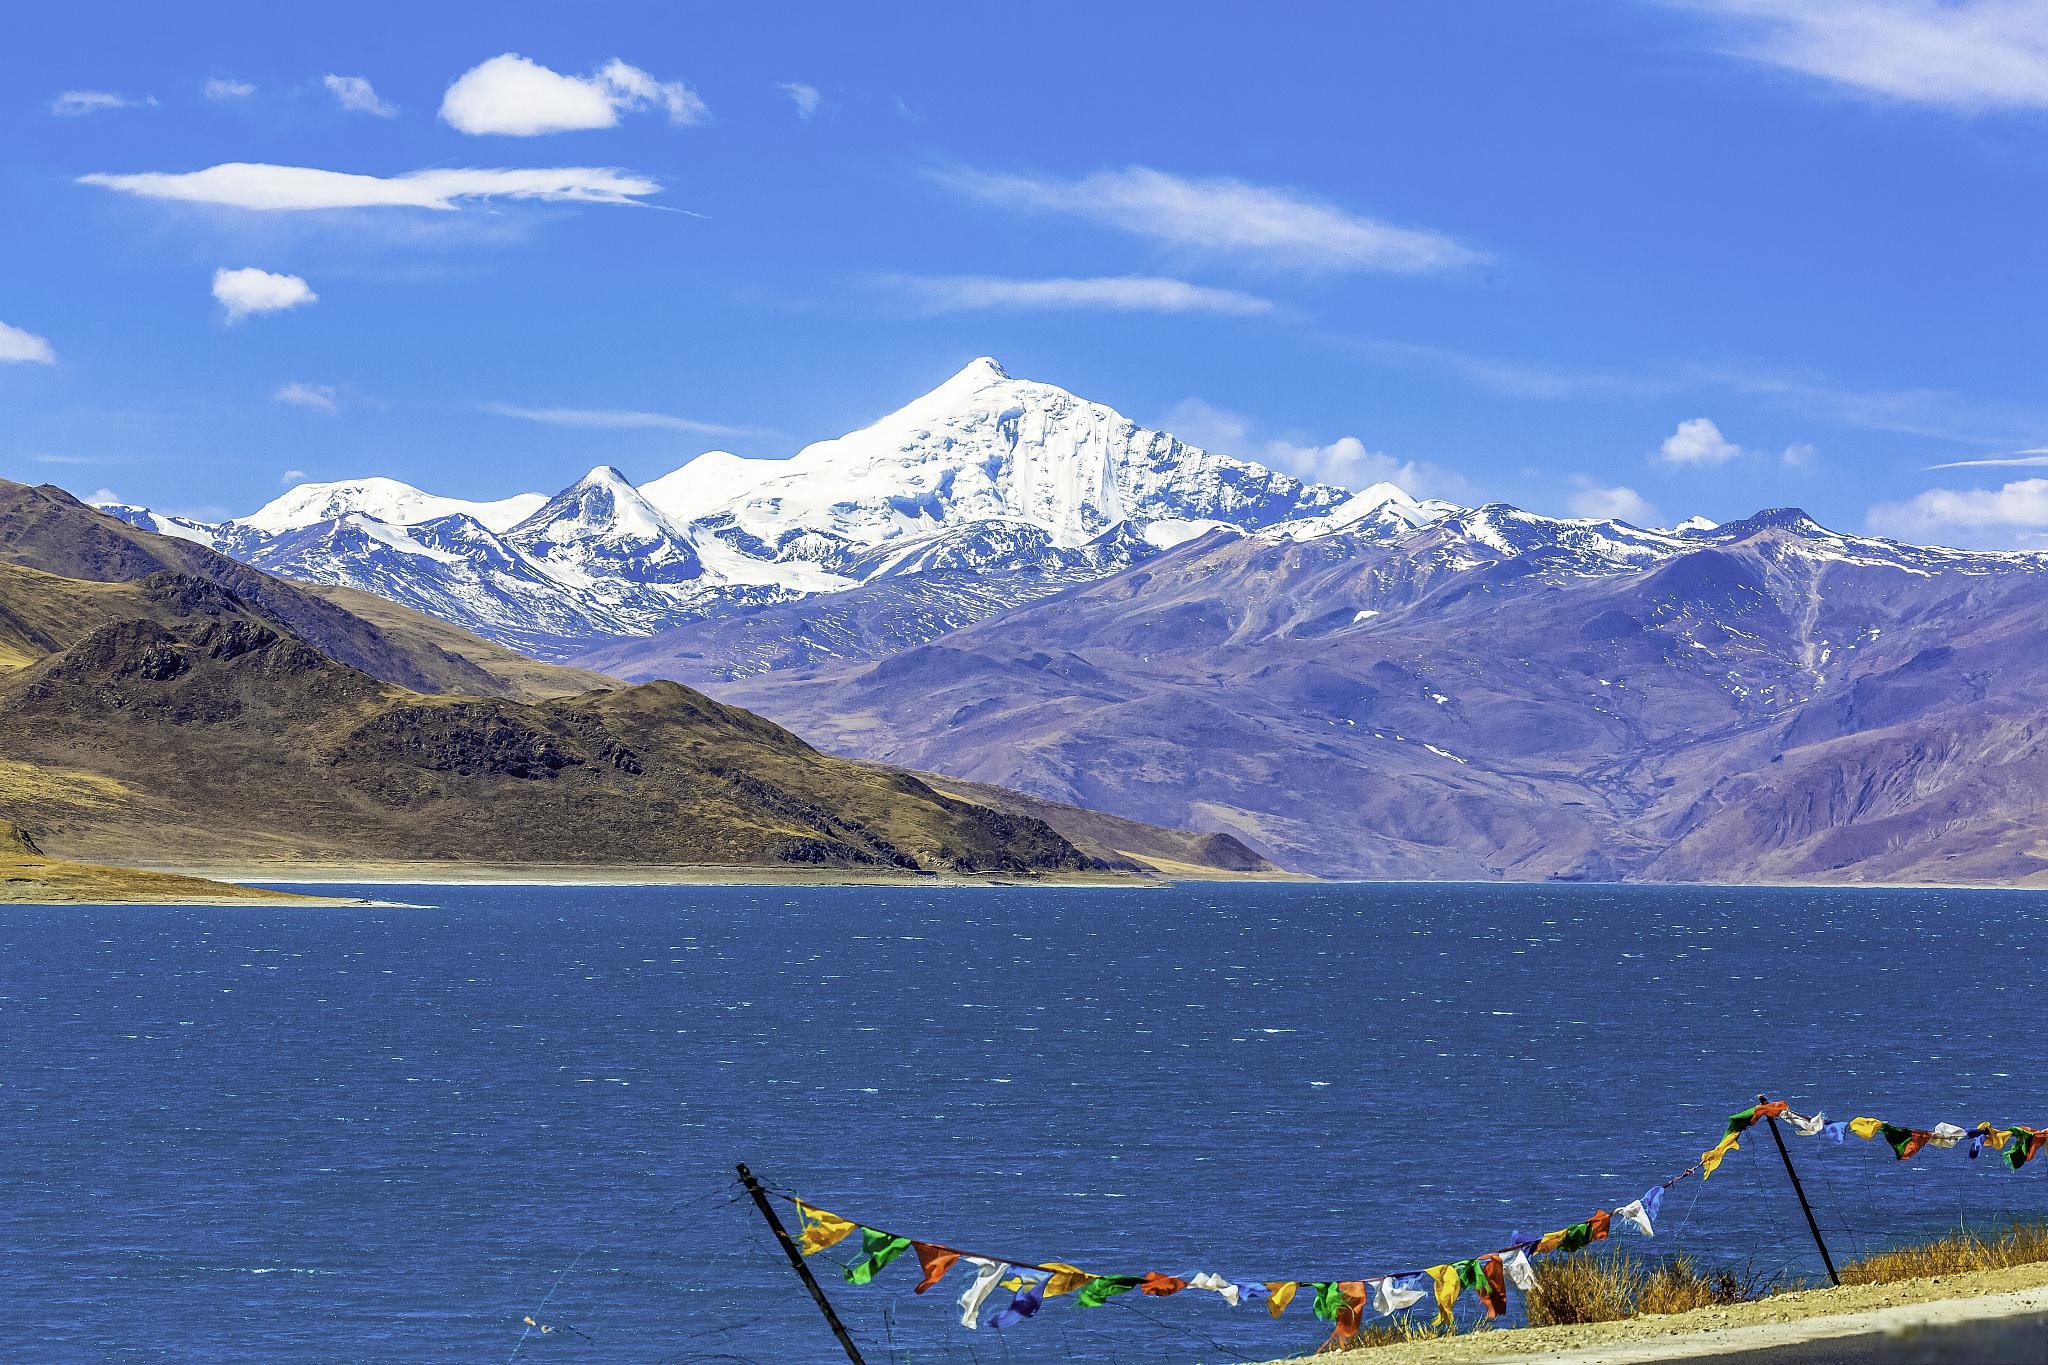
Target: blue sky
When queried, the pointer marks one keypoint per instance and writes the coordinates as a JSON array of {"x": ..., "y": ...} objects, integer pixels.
[{"x": 1651, "y": 259}]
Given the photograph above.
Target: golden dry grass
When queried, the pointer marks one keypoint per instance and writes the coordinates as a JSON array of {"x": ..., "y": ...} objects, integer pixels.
[
  {"x": 1587, "y": 1288},
  {"x": 1957, "y": 1253}
]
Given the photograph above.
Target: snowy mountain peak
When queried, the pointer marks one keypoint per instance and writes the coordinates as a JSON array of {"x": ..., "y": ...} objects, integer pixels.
[{"x": 387, "y": 500}]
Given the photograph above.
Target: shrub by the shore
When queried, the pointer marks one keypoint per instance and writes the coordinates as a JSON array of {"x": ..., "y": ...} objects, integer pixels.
[
  {"x": 1958, "y": 1253},
  {"x": 1588, "y": 1288}
]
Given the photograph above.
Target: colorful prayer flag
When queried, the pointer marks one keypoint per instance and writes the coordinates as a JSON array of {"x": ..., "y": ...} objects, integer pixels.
[
  {"x": 1447, "y": 1288},
  {"x": 986, "y": 1273},
  {"x": 935, "y": 1261},
  {"x": 1397, "y": 1294},
  {"x": 821, "y": 1229},
  {"x": 1866, "y": 1128},
  {"x": 1160, "y": 1286},
  {"x": 1280, "y": 1293},
  {"x": 2025, "y": 1142},
  {"x": 1105, "y": 1287},
  {"x": 1520, "y": 1273},
  {"x": 1904, "y": 1141},
  {"x": 1026, "y": 1305},
  {"x": 877, "y": 1250},
  {"x": 1065, "y": 1279},
  {"x": 1216, "y": 1284}
]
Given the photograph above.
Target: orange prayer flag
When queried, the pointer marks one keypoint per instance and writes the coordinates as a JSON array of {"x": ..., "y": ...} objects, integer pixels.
[
  {"x": 1599, "y": 1223},
  {"x": 1159, "y": 1286},
  {"x": 935, "y": 1261}
]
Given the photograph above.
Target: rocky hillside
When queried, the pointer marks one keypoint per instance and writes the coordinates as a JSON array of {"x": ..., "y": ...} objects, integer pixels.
[{"x": 161, "y": 704}]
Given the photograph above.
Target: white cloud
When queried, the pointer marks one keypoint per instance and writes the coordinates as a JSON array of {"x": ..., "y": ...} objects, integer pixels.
[
  {"x": 1698, "y": 442},
  {"x": 1969, "y": 55},
  {"x": 355, "y": 94},
  {"x": 292, "y": 476},
  {"x": 617, "y": 419},
  {"x": 223, "y": 91},
  {"x": 317, "y": 396},
  {"x": 73, "y": 103},
  {"x": 1120, "y": 294},
  {"x": 102, "y": 497},
  {"x": 2015, "y": 514},
  {"x": 805, "y": 97},
  {"x": 1590, "y": 498},
  {"x": 255, "y": 185},
  {"x": 249, "y": 291},
  {"x": 1799, "y": 454},
  {"x": 520, "y": 98},
  {"x": 1220, "y": 216},
  {"x": 19, "y": 347},
  {"x": 1347, "y": 461},
  {"x": 2011, "y": 459}
]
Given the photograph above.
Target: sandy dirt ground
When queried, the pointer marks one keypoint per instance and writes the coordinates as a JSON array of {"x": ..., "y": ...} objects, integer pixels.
[{"x": 1776, "y": 1323}]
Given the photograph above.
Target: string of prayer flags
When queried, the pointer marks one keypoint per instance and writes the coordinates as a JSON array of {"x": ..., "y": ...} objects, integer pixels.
[
  {"x": 821, "y": 1229},
  {"x": 934, "y": 1261},
  {"x": 877, "y": 1250},
  {"x": 1103, "y": 1288},
  {"x": 986, "y": 1273},
  {"x": 1280, "y": 1293}
]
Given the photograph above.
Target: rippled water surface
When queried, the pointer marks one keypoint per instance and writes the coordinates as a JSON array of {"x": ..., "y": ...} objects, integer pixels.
[{"x": 391, "y": 1135}]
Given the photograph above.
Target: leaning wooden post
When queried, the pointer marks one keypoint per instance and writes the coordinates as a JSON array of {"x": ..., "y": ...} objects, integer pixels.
[
  {"x": 796, "y": 1261},
  {"x": 1804, "y": 1207}
]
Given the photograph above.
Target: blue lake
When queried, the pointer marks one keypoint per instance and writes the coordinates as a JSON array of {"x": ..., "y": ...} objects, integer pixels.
[{"x": 390, "y": 1135}]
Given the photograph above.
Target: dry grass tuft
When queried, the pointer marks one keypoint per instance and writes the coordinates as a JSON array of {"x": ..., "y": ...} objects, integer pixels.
[
  {"x": 1958, "y": 1253},
  {"x": 1587, "y": 1288}
]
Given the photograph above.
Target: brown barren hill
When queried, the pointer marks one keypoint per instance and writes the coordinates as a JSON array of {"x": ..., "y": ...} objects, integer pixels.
[{"x": 161, "y": 704}]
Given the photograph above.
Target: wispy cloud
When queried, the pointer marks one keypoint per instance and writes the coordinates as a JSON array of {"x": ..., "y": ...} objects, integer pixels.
[
  {"x": 517, "y": 97},
  {"x": 1119, "y": 293},
  {"x": 224, "y": 91},
  {"x": 619, "y": 419},
  {"x": 356, "y": 95},
  {"x": 805, "y": 97},
  {"x": 70, "y": 459},
  {"x": 255, "y": 185},
  {"x": 76, "y": 103},
  {"x": 1219, "y": 216},
  {"x": 1967, "y": 55},
  {"x": 319, "y": 397},
  {"x": 18, "y": 347},
  {"x": 2011, "y": 459},
  {"x": 248, "y": 292}
]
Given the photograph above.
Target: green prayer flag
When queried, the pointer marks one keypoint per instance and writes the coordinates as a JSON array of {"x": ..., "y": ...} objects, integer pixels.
[
  {"x": 1898, "y": 1138},
  {"x": 1472, "y": 1275},
  {"x": 1329, "y": 1299},
  {"x": 1104, "y": 1287},
  {"x": 877, "y": 1250},
  {"x": 1576, "y": 1236},
  {"x": 1742, "y": 1122},
  {"x": 2021, "y": 1146}
]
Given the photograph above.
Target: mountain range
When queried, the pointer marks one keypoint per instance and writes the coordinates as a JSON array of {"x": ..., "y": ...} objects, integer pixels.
[
  {"x": 162, "y": 703},
  {"x": 1007, "y": 583}
]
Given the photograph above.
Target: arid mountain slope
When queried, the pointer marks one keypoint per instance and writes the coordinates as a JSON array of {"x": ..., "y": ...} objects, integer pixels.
[{"x": 1779, "y": 703}]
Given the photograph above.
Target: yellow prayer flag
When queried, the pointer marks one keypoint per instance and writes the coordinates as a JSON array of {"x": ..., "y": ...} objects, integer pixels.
[
  {"x": 1065, "y": 1279},
  {"x": 821, "y": 1229},
  {"x": 1710, "y": 1160},
  {"x": 1550, "y": 1241},
  {"x": 1447, "y": 1290},
  {"x": 1866, "y": 1128},
  {"x": 1280, "y": 1293},
  {"x": 1994, "y": 1138}
]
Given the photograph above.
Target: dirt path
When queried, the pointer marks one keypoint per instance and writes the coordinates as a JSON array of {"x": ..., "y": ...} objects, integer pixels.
[{"x": 1774, "y": 1323}]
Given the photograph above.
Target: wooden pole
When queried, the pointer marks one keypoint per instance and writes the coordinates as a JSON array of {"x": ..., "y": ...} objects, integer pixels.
[
  {"x": 1804, "y": 1207},
  {"x": 796, "y": 1262}
]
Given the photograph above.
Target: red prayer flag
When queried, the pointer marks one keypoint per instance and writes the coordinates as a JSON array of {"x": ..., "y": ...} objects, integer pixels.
[
  {"x": 1159, "y": 1286},
  {"x": 1599, "y": 1223},
  {"x": 935, "y": 1261}
]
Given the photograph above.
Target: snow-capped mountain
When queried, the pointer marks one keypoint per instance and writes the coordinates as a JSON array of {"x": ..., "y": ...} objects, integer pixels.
[
  {"x": 983, "y": 495},
  {"x": 1019, "y": 486}
]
